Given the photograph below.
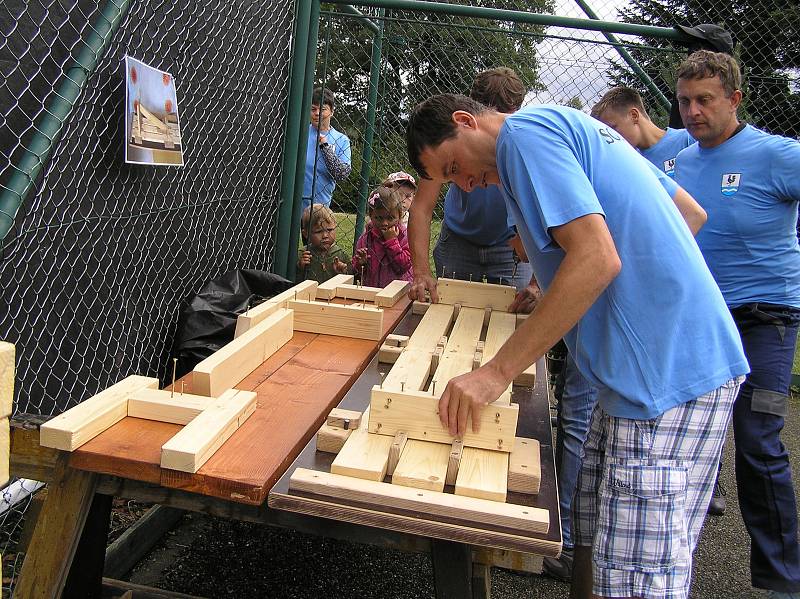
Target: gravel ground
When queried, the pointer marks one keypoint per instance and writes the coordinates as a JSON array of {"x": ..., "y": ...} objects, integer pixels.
[{"x": 211, "y": 557}]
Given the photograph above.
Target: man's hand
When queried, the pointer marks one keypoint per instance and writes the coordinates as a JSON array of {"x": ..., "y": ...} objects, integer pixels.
[
  {"x": 305, "y": 258},
  {"x": 525, "y": 301},
  {"x": 467, "y": 394},
  {"x": 423, "y": 282},
  {"x": 339, "y": 266}
]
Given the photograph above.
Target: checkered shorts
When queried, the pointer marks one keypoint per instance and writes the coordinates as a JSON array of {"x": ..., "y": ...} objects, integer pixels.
[{"x": 643, "y": 491}]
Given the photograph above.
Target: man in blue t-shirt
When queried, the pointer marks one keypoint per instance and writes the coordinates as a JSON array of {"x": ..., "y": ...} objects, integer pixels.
[
  {"x": 327, "y": 153},
  {"x": 748, "y": 183},
  {"x": 627, "y": 288}
]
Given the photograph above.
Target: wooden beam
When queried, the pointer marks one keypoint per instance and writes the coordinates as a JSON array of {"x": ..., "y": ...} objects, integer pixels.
[
  {"x": 419, "y": 307},
  {"x": 417, "y": 415},
  {"x": 454, "y": 461},
  {"x": 395, "y": 451},
  {"x": 397, "y": 340},
  {"x": 501, "y": 326},
  {"x": 475, "y": 295},
  {"x": 483, "y": 474},
  {"x": 435, "y": 323},
  {"x": 76, "y": 426},
  {"x": 306, "y": 290},
  {"x": 327, "y": 290},
  {"x": 191, "y": 447},
  {"x": 331, "y": 439},
  {"x": 152, "y": 404},
  {"x": 388, "y": 354},
  {"x": 525, "y": 466},
  {"x": 422, "y": 465},
  {"x": 522, "y": 518},
  {"x": 226, "y": 367},
  {"x": 466, "y": 333},
  {"x": 334, "y": 319},
  {"x": 7, "y": 370},
  {"x": 357, "y": 292},
  {"x": 410, "y": 371},
  {"x": 389, "y": 295},
  {"x": 346, "y": 419},
  {"x": 363, "y": 456}
]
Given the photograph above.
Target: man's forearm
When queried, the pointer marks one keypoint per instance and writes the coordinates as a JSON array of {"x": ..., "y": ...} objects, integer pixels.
[{"x": 419, "y": 226}]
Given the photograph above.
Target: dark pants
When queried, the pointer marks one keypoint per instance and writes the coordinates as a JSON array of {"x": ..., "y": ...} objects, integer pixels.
[{"x": 763, "y": 472}]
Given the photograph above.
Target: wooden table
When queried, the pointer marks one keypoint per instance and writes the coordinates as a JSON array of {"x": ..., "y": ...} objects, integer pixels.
[{"x": 296, "y": 389}]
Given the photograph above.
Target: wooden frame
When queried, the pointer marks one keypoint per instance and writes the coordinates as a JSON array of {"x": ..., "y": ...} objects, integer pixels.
[
  {"x": 475, "y": 295},
  {"x": 358, "y": 321},
  {"x": 306, "y": 290}
]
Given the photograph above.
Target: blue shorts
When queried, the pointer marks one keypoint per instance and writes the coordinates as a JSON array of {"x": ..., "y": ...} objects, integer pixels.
[{"x": 643, "y": 491}]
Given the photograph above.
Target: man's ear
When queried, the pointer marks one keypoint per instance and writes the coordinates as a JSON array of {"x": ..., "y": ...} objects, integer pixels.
[
  {"x": 462, "y": 118},
  {"x": 635, "y": 115},
  {"x": 736, "y": 99}
]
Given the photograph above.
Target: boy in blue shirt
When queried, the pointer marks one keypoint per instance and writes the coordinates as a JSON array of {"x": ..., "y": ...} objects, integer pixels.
[
  {"x": 747, "y": 181},
  {"x": 627, "y": 288}
]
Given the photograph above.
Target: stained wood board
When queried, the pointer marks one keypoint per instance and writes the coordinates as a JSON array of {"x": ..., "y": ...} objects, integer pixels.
[
  {"x": 417, "y": 416},
  {"x": 306, "y": 290},
  {"x": 422, "y": 465},
  {"x": 389, "y": 295},
  {"x": 226, "y": 367},
  {"x": 483, "y": 474},
  {"x": 363, "y": 456},
  {"x": 475, "y": 295},
  {"x": 333, "y": 319},
  {"x": 327, "y": 290}
]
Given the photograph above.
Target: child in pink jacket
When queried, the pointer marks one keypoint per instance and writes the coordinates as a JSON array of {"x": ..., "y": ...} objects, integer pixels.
[{"x": 382, "y": 252}]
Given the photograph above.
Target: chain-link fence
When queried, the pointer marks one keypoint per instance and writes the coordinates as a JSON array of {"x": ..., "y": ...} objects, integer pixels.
[{"x": 102, "y": 255}]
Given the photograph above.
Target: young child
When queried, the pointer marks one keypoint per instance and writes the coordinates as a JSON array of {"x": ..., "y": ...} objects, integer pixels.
[
  {"x": 320, "y": 258},
  {"x": 382, "y": 252},
  {"x": 407, "y": 187}
]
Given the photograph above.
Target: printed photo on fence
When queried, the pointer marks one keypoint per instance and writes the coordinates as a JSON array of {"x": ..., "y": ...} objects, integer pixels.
[{"x": 152, "y": 129}]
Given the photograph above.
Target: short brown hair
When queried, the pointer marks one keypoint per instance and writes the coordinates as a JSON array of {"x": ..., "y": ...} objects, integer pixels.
[
  {"x": 501, "y": 88},
  {"x": 386, "y": 197},
  {"x": 619, "y": 99},
  {"x": 704, "y": 63},
  {"x": 320, "y": 214}
]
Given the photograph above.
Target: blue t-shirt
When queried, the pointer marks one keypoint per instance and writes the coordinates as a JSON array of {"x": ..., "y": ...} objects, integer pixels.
[
  {"x": 325, "y": 184},
  {"x": 660, "y": 334},
  {"x": 749, "y": 186},
  {"x": 480, "y": 216},
  {"x": 664, "y": 151}
]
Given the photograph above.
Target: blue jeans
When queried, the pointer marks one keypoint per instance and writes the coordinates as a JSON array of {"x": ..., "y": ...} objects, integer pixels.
[
  {"x": 763, "y": 472},
  {"x": 574, "y": 414},
  {"x": 458, "y": 258}
]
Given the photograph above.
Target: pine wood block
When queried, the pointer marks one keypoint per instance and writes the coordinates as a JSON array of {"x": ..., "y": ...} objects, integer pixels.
[
  {"x": 226, "y": 367},
  {"x": 7, "y": 369},
  {"x": 419, "y": 307},
  {"x": 335, "y": 319},
  {"x": 483, "y": 474},
  {"x": 436, "y": 357},
  {"x": 188, "y": 450},
  {"x": 388, "y": 354},
  {"x": 327, "y": 290},
  {"x": 345, "y": 419},
  {"x": 397, "y": 340},
  {"x": 453, "y": 461},
  {"x": 389, "y": 295},
  {"x": 528, "y": 377},
  {"x": 5, "y": 451},
  {"x": 395, "y": 451},
  {"x": 501, "y": 326},
  {"x": 76, "y": 426},
  {"x": 435, "y": 323},
  {"x": 331, "y": 439},
  {"x": 525, "y": 466},
  {"x": 363, "y": 456},
  {"x": 475, "y": 295},
  {"x": 450, "y": 366},
  {"x": 409, "y": 372},
  {"x": 466, "y": 333},
  {"x": 524, "y": 519},
  {"x": 422, "y": 465},
  {"x": 306, "y": 290},
  {"x": 417, "y": 415},
  {"x": 152, "y": 404},
  {"x": 357, "y": 292}
]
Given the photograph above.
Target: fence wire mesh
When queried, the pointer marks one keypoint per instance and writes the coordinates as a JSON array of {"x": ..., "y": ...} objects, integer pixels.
[{"x": 103, "y": 255}]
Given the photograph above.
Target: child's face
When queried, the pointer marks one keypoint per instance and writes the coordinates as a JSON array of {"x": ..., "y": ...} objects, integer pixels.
[
  {"x": 382, "y": 219},
  {"x": 323, "y": 236},
  {"x": 408, "y": 197}
]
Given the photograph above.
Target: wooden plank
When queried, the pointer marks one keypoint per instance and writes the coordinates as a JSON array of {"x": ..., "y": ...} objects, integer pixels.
[
  {"x": 357, "y": 292},
  {"x": 466, "y": 332},
  {"x": 389, "y": 295},
  {"x": 454, "y": 461},
  {"x": 435, "y": 323},
  {"x": 363, "y": 456},
  {"x": 422, "y": 465},
  {"x": 395, "y": 451},
  {"x": 191, "y": 447},
  {"x": 76, "y": 426},
  {"x": 335, "y": 319},
  {"x": 483, "y": 474},
  {"x": 450, "y": 366},
  {"x": 409, "y": 372},
  {"x": 331, "y": 439},
  {"x": 226, "y": 367},
  {"x": 7, "y": 369},
  {"x": 475, "y": 295},
  {"x": 305, "y": 290},
  {"x": 327, "y": 290},
  {"x": 138, "y": 539},
  {"x": 501, "y": 326},
  {"x": 523, "y": 518},
  {"x": 525, "y": 466},
  {"x": 346, "y": 419},
  {"x": 417, "y": 416},
  {"x": 152, "y": 404}
]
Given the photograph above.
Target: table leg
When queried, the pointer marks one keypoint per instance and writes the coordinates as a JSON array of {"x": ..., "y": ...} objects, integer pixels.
[
  {"x": 452, "y": 569},
  {"x": 85, "y": 580}
]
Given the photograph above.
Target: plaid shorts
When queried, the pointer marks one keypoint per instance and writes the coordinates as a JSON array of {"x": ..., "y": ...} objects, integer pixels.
[{"x": 643, "y": 491}]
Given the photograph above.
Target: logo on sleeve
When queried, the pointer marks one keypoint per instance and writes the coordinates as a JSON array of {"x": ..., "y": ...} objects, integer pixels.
[
  {"x": 669, "y": 167},
  {"x": 730, "y": 183}
]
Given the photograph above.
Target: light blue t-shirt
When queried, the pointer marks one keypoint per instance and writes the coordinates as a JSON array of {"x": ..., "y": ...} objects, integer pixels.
[
  {"x": 660, "y": 334},
  {"x": 664, "y": 151},
  {"x": 325, "y": 184},
  {"x": 479, "y": 216},
  {"x": 749, "y": 186}
]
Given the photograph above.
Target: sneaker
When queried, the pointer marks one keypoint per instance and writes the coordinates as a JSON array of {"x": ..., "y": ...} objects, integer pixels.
[
  {"x": 560, "y": 567},
  {"x": 718, "y": 504}
]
